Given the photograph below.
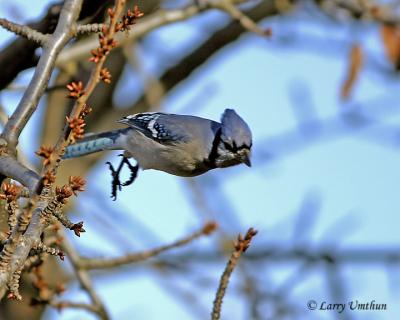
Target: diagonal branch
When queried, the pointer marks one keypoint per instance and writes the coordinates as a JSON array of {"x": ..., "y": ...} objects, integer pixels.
[
  {"x": 89, "y": 263},
  {"x": 241, "y": 246},
  {"x": 84, "y": 279},
  {"x": 20, "y": 53},
  {"x": 63, "y": 304},
  {"x": 243, "y": 19},
  {"x": 24, "y": 31},
  {"x": 80, "y": 50},
  {"x": 41, "y": 77}
]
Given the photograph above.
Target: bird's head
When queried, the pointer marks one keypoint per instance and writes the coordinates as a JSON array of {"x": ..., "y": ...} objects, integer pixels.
[{"x": 236, "y": 140}]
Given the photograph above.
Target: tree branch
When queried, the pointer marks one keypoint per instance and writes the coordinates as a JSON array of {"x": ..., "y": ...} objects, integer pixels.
[
  {"x": 20, "y": 53},
  {"x": 24, "y": 31},
  {"x": 90, "y": 263},
  {"x": 81, "y": 50},
  {"x": 57, "y": 41},
  {"x": 241, "y": 246},
  {"x": 10, "y": 167},
  {"x": 64, "y": 31},
  {"x": 84, "y": 279}
]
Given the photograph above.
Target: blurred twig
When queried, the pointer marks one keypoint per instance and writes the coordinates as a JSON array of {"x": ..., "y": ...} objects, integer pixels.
[
  {"x": 91, "y": 263},
  {"x": 84, "y": 278},
  {"x": 241, "y": 246},
  {"x": 155, "y": 20}
]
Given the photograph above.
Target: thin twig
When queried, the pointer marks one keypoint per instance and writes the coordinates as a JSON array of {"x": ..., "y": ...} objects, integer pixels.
[
  {"x": 24, "y": 31},
  {"x": 361, "y": 9},
  {"x": 80, "y": 103},
  {"x": 88, "y": 263},
  {"x": 62, "y": 304},
  {"x": 243, "y": 19},
  {"x": 83, "y": 277},
  {"x": 241, "y": 246},
  {"x": 145, "y": 25},
  {"x": 89, "y": 28}
]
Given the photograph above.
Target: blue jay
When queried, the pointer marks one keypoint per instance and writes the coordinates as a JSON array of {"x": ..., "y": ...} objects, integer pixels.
[{"x": 181, "y": 145}]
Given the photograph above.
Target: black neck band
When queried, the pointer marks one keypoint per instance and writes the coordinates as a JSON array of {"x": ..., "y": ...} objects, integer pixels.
[{"x": 210, "y": 161}]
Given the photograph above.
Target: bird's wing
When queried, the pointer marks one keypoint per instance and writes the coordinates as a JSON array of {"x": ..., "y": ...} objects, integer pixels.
[{"x": 157, "y": 126}]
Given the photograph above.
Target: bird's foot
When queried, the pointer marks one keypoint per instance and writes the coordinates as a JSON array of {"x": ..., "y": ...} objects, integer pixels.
[{"x": 116, "y": 184}]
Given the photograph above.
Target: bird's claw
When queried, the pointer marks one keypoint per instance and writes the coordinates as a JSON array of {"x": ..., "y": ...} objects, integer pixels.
[{"x": 116, "y": 184}]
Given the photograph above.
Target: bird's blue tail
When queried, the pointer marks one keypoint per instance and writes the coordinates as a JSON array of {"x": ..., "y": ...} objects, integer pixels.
[{"x": 94, "y": 143}]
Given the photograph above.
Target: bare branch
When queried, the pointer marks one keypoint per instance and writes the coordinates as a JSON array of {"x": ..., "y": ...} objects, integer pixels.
[
  {"x": 22, "y": 245},
  {"x": 243, "y": 19},
  {"x": 81, "y": 50},
  {"x": 24, "y": 31},
  {"x": 89, "y": 28},
  {"x": 19, "y": 54},
  {"x": 88, "y": 263},
  {"x": 99, "y": 56},
  {"x": 241, "y": 246},
  {"x": 10, "y": 167},
  {"x": 84, "y": 278},
  {"x": 62, "y": 304},
  {"x": 145, "y": 25},
  {"x": 377, "y": 12},
  {"x": 28, "y": 104}
]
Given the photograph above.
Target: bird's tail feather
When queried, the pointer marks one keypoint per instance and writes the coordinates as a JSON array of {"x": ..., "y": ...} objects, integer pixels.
[{"x": 94, "y": 143}]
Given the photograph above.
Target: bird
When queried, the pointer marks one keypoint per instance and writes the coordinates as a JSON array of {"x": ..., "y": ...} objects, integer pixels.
[{"x": 181, "y": 145}]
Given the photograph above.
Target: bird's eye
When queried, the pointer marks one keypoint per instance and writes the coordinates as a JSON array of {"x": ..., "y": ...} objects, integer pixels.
[
  {"x": 230, "y": 147},
  {"x": 234, "y": 148}
]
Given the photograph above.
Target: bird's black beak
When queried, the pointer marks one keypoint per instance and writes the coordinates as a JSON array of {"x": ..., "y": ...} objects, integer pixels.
[
  {"x": 122, "y": 120},
  {"x": 246, "y": 160}
]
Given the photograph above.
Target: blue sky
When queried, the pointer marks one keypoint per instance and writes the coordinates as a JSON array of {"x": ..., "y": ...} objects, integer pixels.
[{"x": 353, "y": 177}]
